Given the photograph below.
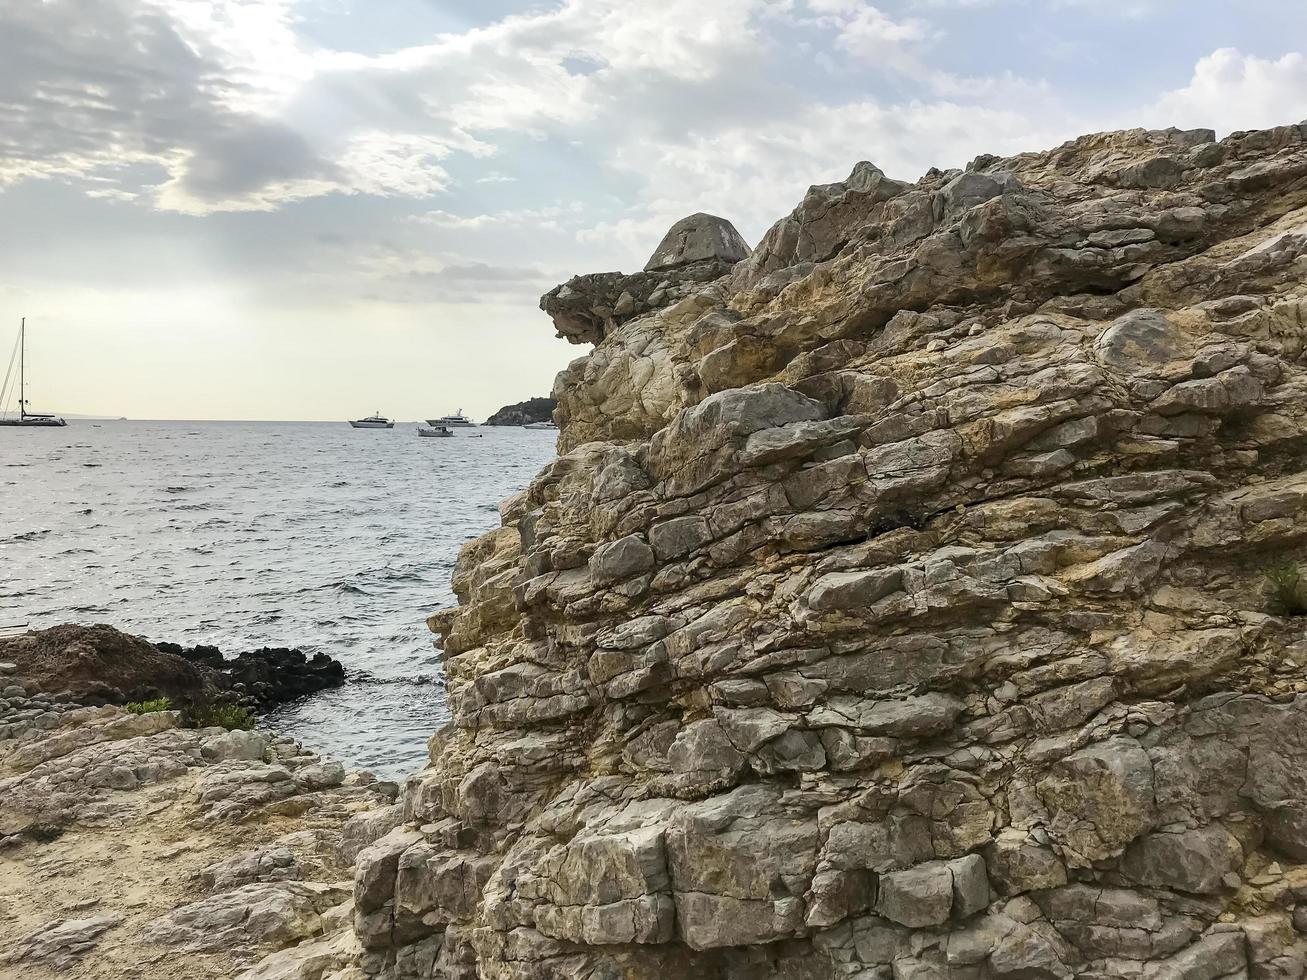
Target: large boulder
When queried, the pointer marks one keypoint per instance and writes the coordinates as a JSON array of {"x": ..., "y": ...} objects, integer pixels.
[{"x": 698, "y": 238}]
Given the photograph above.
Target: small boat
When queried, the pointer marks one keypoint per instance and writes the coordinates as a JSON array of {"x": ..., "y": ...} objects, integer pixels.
[
  {"x": 456, "y": 421},
  {"x": 438, "y": 430},
  {"x": 375, "y": 421},
  {"x": 25, "y": 418},
  {"x": 540, "y": 425}
]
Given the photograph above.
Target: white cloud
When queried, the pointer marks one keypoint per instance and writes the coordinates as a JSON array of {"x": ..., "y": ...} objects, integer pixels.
[
  {"x": 866, "y": 32},
  {"x": 1231, "y": 90},
  {"x": 551, "y": 218}
]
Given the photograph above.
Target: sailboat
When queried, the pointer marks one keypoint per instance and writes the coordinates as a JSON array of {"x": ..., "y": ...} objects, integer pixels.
[{"x": 25, "y": 418}]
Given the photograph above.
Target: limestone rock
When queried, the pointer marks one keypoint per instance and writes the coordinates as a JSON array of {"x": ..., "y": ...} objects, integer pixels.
[
  {"x": 895, "y": 608},
  {"x": 697, "y": 238},
  {"x": 250, "y": 916},
  {"x": 59, "y": 944}
]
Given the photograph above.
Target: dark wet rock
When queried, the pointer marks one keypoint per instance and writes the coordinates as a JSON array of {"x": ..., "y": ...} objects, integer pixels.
[{"x": 268, "y": 676}]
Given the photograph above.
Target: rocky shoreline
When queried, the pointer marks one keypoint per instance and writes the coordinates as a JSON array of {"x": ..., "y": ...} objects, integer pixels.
[
  {"x": 915, "y": 598},
  {"x": 128, "y": 842},
  {"x": 101, "y": 665}
]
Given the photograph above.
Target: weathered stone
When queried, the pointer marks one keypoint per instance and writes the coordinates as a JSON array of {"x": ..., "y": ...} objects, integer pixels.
[
  {"x": 61, "y": 943},
  {"x": 377, "y": 866},
  {"x": 1099, "y": 799},
  {"x": 696, "y": 238},
  {"x": 918, "y": 897},
  {"x": 253, "y": 915},
  {"x": 914, "y": 561},
  {"x": 1191, "y": 860}
]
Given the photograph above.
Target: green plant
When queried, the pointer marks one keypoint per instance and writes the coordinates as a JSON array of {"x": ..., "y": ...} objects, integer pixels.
[
  {"x": 145, "y": 707},
  {"x": 1284, "y": 587},
  {"x": 228, "y": 716}
]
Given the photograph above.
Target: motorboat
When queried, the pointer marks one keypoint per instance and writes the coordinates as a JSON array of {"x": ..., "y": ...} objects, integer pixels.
[
  {"x": 540, "y": 425},
  {"x": 24, "y": 418},
  {"x": 438, "y": 431},
  {"x": 456, "y": 421},
  {"x": 375, "y": 421}
]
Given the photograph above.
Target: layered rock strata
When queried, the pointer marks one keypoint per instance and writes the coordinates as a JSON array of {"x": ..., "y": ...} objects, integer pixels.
[{"x": 896, "y": 607}]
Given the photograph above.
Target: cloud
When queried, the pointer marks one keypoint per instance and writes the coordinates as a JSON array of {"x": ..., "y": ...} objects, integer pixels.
[
  {"x": 236, "y": 112},
  {"x": 1231, "y": 90},
  {"x": 553, "y": 217},
  {"x": 401, "y": 275},
  {"x": 865, "y": 31},
  {"x": 223, "y": 106}
]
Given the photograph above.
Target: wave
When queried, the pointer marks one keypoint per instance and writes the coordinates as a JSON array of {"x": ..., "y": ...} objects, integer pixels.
[
  {"x": 35, "y": 535},
  {"x": 363, "y": 677}
]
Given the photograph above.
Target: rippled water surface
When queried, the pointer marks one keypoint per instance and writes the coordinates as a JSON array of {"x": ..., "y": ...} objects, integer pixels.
[{"x": 246, "y": 534}]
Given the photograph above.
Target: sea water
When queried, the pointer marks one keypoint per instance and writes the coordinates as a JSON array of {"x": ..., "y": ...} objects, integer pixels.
[{"x": 249, "y": 534}]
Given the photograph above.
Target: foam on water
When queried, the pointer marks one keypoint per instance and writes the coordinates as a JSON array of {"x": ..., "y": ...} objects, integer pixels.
[{"x": 247, "y": 534}]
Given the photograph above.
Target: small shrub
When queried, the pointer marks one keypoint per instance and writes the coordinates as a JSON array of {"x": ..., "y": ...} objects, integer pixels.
[
  {"x": 228, "y": 716},
  {"x": 1284, "y": 588},
  {"x": 146, "y": 707},
  {"x": 44, "y": 833}
]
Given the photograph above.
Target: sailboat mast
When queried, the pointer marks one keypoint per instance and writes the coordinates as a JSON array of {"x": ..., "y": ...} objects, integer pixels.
[{"x": 22, "y": 360}]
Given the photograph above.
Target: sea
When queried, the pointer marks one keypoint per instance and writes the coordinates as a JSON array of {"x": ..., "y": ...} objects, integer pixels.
[{"x": 250, "y": 534}]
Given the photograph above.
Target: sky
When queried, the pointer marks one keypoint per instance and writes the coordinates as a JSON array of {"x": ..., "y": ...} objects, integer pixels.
[{"x": 314, "y": 209}]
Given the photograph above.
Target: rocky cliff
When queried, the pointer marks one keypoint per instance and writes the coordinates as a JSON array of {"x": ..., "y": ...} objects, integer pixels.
[{"x": 897, "y": 607}]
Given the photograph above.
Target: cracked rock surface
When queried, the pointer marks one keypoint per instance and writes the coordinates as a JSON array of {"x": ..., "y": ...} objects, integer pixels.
[
  {"x": 895, "y": 609},
  {"x": 132, "y": 847}
]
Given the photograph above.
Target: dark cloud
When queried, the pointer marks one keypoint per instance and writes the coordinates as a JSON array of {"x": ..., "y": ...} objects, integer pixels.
[
  {"x": 87, "y": 90},
  {"x": 250, "y": 155},
  {"x": 78, "y": 78}
]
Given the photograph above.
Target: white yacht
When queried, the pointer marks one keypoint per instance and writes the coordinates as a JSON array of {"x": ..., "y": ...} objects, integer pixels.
[
  {"x": 24, "y": 418},
  {"x": 456, "y": 421},
  {"x": 540, "y": 425},
  {"x": 374, "y": 421}
]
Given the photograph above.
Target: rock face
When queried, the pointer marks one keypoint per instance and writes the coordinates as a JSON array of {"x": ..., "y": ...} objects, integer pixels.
[
  {"x": 896, "y": 609},
  {"x": 531, "y": 410}
]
